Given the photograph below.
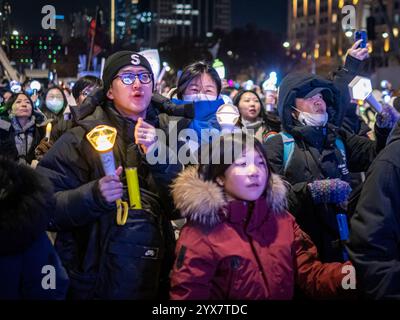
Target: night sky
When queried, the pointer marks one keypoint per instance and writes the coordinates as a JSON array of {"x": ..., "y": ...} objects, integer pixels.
[{"x": 270, "y": 15}]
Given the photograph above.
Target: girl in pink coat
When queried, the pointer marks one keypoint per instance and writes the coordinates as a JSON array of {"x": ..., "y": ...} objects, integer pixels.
[{"x": 239, "y": 241}]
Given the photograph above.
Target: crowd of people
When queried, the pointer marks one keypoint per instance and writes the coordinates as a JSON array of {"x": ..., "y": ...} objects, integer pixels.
[{"x": 270, "y": 223}]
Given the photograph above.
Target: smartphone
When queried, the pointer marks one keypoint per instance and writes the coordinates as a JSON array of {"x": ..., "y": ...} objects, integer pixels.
[{"x": 361, "y": 35}]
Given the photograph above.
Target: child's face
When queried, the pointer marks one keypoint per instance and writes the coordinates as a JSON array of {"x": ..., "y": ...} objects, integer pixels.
[{"x": 246, "y": 178}]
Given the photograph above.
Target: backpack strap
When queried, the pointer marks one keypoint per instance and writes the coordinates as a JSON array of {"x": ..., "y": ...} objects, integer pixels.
[{"x": 288, "y": 149}]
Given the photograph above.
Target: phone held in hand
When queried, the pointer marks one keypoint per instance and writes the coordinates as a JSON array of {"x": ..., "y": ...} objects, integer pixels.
[{"x": 361, "y": 35}]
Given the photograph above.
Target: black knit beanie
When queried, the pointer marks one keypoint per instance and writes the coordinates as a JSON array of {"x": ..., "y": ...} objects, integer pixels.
[{"x": 122, "y": 59}]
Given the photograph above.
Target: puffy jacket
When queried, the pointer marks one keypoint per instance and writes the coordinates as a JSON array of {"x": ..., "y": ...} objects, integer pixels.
[
  {"x": 315, "y": 157},
  {"x": 105, "y": 260},
  {"x": 374, "y": 244},
  {"x": 242, "y": 250}
]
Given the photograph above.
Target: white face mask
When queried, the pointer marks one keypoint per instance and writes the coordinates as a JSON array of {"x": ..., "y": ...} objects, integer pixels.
[
  {"x": 54, "y": 105},
  {"x": 313, "y": 119},
  {"x": 199, "y": 97}
]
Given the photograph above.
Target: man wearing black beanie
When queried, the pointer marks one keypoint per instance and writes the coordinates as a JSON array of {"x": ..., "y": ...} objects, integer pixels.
[
  {"x": 120, "y": 59},
  {"x": 106, "y": 260}
]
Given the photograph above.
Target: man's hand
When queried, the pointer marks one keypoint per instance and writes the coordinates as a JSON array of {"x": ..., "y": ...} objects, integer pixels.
[
  {"x": 358, "y": 53},
  {"x": 111, "y": 187},
  {"x": 145, "y": 135}
]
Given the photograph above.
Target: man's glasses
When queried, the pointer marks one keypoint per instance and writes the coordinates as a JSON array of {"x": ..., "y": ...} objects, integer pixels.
[{"x": 128, "y": 78}]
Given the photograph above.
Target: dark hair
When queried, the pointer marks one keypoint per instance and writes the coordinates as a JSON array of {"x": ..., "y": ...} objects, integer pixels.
[
  {"x": 396, "y": 103},
  {"x": 82, "y": 83},
  {"x": 225, "y": 147},
  {"x": 62, "y": 92},
  {"x": 194, "y": 70},
  {"x": 14, "y": 97},
  {"x": 236, "y": 100},
  {"x": 238, "y": 96}
]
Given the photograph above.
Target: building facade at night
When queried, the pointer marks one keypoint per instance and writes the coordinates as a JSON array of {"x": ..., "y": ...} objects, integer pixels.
[
  {"x": 190, "y": 18},
  {"x": 5, "y": 23},
  {"x": 149, "y": 22},
  {"x": 126, "y": 22},
  {"x": 315, "y": 31},
  {"x": 36, "y": 51}
]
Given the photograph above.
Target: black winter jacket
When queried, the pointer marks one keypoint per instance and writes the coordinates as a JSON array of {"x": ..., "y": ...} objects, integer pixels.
[
  {"x": 317, "y": 157},
  {"x": 105, "y": 260},
  {"x": 374, "y": 244}
]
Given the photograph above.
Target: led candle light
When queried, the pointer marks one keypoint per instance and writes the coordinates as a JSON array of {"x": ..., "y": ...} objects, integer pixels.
[{"x": 48, "y": 130}]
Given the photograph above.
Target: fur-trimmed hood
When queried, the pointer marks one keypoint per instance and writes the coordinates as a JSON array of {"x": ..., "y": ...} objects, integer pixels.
[
  {"x": 26, "y": 202},
  {"x": 202, "y": 201}
]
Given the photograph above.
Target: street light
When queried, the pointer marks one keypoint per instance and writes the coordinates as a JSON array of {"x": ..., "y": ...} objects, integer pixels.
[
  {"x": 15, "y": 33},
  {"x": 286, "y": 44},
  {"x": 385, "y": 35}
]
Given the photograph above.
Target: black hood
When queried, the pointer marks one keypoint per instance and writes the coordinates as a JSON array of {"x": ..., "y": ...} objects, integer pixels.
[
  {"x": 26, "y": 202},
  {"x": 296, "y": 83}
]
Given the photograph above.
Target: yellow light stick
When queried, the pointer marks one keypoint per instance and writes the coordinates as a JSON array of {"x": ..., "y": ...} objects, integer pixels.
[
  {"x": 102, "y": 138},
  {"x": 133, "y": 188}
]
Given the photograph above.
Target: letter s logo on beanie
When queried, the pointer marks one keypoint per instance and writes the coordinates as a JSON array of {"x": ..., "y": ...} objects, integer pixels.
[{"x": 135, "y": 59}]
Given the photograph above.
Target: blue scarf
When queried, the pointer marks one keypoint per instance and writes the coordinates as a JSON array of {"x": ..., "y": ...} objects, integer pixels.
[{"x": 204, "y": 116}]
